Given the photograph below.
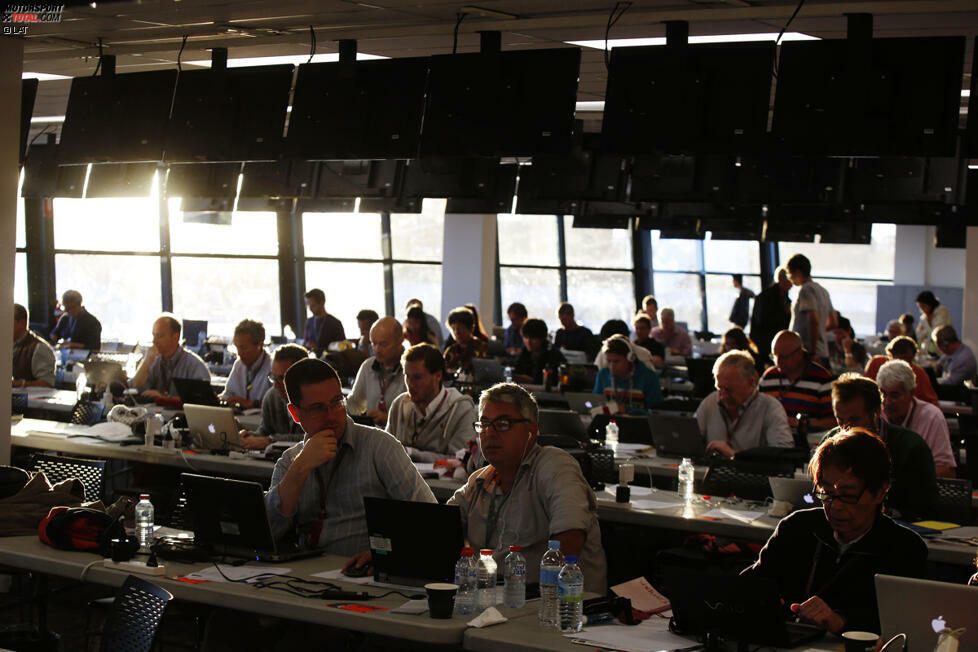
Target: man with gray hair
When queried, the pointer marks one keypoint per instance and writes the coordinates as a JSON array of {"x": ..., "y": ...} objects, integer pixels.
[
  {"x": 248, "y": 381},
  {"x": 737, "y": 417},
  {"x": 894, "y": 329},
  {"x": 528, "y": 494},
  {"x": 957, "y": 364},
  {"x": 674, "y": 338},
  {"x": 901, "y": 408},
  {"x": 77, "y": 328}
]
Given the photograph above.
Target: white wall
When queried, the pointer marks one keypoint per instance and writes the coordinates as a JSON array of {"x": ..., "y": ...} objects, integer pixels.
[
  {"x": 468, "y": 264},
  {"x": 919, "y": 262}
]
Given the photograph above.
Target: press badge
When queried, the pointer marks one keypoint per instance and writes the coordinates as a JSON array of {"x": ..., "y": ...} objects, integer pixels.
[{"x": 380, "y": 545}]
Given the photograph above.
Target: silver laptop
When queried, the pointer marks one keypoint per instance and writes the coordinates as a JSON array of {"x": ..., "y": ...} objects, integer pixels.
[
  {"x": 799, "y": 492},
  {"x": 676, "y": 435},
  {"x": 922, "y": 608},
  {"x": 212, "y": 428},
  {"x": 487, "y": 371},
  {"x": 584, "y": 402}
]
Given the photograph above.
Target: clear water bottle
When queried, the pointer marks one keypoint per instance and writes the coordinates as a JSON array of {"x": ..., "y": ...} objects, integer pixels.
[
  {"x": 508, "y": 374},
  {"x": 81, "y": 384},
  {"x": 465, "y": 579},
  {"x": 570, "y": 591},
  {"x": 550, "y": 565},
  {"x": 514, "y": 576},
  {"x": 144, "y": 522},
  {"x": 686, "y": 477},
  {"x": 486, "y": 580},
  {"x": 611, "y": 435},
  {"x": 154, "y": 427}
]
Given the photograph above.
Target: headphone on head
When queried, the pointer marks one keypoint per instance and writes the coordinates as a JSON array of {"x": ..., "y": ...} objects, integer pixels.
[{"x": 630, "y": 356}]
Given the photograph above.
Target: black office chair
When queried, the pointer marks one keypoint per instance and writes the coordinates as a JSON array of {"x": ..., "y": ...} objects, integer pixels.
[
  {"x": 18, "y": 403},
  {"x": 135, "y": 616},
  {"x": 747, "y": 480},
  {"x": 57, "y": 468},
  {"x": 954, "y": 500},
  {"x": 86, "y": 413}
]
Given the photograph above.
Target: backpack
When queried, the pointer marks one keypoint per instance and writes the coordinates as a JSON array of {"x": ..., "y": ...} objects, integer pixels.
[{"x": 81, "y": 528}]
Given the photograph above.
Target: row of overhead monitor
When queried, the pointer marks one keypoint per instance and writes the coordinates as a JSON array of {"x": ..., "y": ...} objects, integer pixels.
[{"x": 897, "y": 96}]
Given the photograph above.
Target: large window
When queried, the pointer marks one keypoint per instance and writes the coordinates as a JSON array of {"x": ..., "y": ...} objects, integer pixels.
[
  {"x": 600, "y": 281},
  {"x": 851, "y": 272},
  {"x": 529, "y": 261},
  {"x": 108, "y": 249},
  {"x": 20, "y": 261},
  {"x": 417, "y": 242}
]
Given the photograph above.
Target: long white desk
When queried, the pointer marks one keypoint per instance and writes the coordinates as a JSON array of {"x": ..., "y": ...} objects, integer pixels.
[{"x": 29, "y": 553}]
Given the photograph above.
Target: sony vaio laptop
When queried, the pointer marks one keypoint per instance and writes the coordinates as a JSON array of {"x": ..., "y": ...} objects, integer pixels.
[
  {"x": 561, "y": 422},
  {"x": 413, "y": 543},
  {"x": 676, "y": 435},
  {"x": 212, "y": 428},
  {"x": 744, "y": 609},
  {"x": 229, "y": 519},
  {"x": 921, "y": 609}
]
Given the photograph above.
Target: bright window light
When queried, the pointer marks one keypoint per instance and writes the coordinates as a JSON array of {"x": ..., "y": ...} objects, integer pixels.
[
  {"x": 966, "y": 93},
  {"x": 583, "y": 107},
  {"x": 42, "y": 76},
  {"x": 47, "y": 119},
  {"x": 716, "y": 38},
  {"x": 295, "y": 60}
]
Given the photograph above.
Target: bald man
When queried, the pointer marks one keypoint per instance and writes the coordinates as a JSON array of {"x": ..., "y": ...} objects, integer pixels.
[
  {"x": 803, "y": 386},
  {"x": 380, "y": 379}
]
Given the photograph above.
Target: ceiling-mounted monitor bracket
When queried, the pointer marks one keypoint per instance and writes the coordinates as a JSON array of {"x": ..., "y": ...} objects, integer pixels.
[
  {"x": 107, "y": 65},
  {"x": 348, "y": 50},
  {"x": 490, "y": 42},
  {"x": 219, "y": 59}
]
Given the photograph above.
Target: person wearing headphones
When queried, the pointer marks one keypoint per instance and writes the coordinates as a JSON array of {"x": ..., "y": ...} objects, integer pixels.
[
  {"x": 529, "y": 494},
  {"x": 626, "y": 381},
  {"x": 803, "y": 386},
  {"x": 737, "y": 417}
]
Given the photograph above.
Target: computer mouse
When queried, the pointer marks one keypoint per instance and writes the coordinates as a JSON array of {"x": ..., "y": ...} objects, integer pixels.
[{"x": 356, "y": 571}]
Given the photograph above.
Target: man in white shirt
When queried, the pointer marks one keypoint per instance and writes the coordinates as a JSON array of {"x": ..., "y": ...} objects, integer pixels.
[
  {"x": 811, "y": 313},
  {"x": 380, "y": 379},
  {"x": 248, "y": 380}
]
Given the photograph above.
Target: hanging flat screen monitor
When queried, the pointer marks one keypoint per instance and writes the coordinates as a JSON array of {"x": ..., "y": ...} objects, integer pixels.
[
  {"x": 233, "y": 114},
  {"x": 894, "y": 96},
  {"x": 517, "y": 103},
  {"x": 28, "y": 93},
  {"x": 706, "y": 98},
  {"x": 117, "y": 118},
  {"x": 358, "y": 110}
]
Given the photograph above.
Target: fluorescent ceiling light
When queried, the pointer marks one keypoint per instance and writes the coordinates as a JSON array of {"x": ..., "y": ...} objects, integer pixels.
[
  {"x": 584, "y": 107},
  {"x": 42, "y": 76},
  {"x": 47, "y": 119},
  {"x": 717, "y": 38},
  {"x": 295, "y": 60}
]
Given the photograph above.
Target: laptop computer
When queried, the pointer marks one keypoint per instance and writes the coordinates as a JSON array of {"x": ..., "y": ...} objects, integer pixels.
[
  {"x": 584, "y": 402},
  {"x": 487, "y": 371},
  {"x": 196, "y": 391},
  {"x": 562, "y": 422},
  {"x": 229, "y": 519},
  {"x": 631, "y": 429},
  {"x": 413, "y": 543},
  {"x": 922, "y": 608},
  {"x": 744, "y": 609},
  {"x": 102, "y": 374},
  {"x": 676, "y": 435},
  {"x": 212, "y": 428},
  {"x": 797, "y": 491}
]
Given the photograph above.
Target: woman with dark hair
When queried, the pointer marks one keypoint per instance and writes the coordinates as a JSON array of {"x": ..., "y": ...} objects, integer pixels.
[
  {"x": 537, "y": 353},
  {"x": 416, "y": 328},
  {"x": 626, "y": 380},
  {"x": 478, "y": 330},
  {"x": 613, "y": 327},
  {"x": 736, "y": 339},
  {"x": 932, "y": 316},
  {"x": 824, "y": 559}
]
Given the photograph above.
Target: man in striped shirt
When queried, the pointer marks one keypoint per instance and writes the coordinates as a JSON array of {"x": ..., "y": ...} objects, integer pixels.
[{"x": 803, "y": 386}]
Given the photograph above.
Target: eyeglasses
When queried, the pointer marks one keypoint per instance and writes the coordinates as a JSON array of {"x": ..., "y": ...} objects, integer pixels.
[
  {"x": 788, "y": 355},
  {"x": 499, "y": 424},
  {"x": 272, "y": 378},
  {"x": 826, "y": 497},
  {"x": 323, "y": 408}
]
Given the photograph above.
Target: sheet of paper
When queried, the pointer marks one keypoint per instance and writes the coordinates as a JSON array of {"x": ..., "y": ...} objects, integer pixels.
[
  {"x": 632, "y": 448},
  {"x": 110, "y": 431},
  {"x": 966, "y": 532},
  {"x": 636, "y": 492},
  {"x": 652, "y": 503},
  {"x": 236, "y": 573},
  {"x": 734, "y": 514},
  {"x": 652, "y": 634},
  {"x": 412, "y": 607},
  {"x": 643, "y": 596},
  {"x": 424, "y": 467},
  {"x": 338, "y": 576}
]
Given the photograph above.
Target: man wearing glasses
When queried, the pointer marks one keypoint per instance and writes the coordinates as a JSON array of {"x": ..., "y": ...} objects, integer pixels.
[
  {"x": 824, "y": 559},
  {"x": 276, "y": 423},
  {"x": 803, "y": 386},
  {"x": 318, "y": 485},
  {"x": 528, "y": 494}
]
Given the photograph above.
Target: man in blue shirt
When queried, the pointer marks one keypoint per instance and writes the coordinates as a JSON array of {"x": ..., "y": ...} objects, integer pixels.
[
  {"x": 77, "y": 328},
  {"x": 626, "y": 381}
]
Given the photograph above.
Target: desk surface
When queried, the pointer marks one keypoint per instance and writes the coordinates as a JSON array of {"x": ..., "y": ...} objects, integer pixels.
[{"x": 28, "y": 552}]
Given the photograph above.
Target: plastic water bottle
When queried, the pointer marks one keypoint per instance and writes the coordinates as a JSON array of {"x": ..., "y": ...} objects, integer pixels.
[
  {"x": 486, "y": 580},
  {"x": 550, "y": 565},
  {"x": 611, "y": 435},
  {"x": 154, "y": 427},
  {"x": 514, "y": 576},
  {"x": 570, "y": 591},
  {"x": 465, "y": 579},
  {"x": 81, "y": 384},
  {"x": 508, "y": 374},
  {"x": 144, "y": 522},
  {"x": 686, "y": 479}
]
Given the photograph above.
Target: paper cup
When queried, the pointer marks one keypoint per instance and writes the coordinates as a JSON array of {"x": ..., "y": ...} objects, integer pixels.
[
  {"x": 860, "y": 641},
  {"x": 441, "y": 599}
]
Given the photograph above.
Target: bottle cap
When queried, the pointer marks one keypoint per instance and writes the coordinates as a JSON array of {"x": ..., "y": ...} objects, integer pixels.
[
  {"x": 467, "y": 551},
  {"x": 554, "y": 544},
  {"x": 570, "y": 559},
  {"x": 144, "y": 496},
  {"x": 486, "y": 551},
  {"x": 516, "y": 548}
]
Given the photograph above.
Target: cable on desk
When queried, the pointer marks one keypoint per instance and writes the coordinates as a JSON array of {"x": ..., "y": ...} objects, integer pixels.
[
  {"x": 84, "y": 572},
  {"x": 306, "y": 588}
]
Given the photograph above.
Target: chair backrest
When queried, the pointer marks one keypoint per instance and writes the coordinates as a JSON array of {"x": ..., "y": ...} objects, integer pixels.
[
  {"x": 18, "y": 403},
  {"x": 954, "y": 500},
  {"x": 86, "y": 413},
  {"x": 57, "y": 468},
  {"x": 135, "y": 617},
  {"x": 743, "y": 479}
]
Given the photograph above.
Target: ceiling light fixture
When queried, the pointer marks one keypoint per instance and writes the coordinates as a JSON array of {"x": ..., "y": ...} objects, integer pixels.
[
  {"x": 716, "y": 38},
  {"x": 482, "y": 11},
  {"x": 47, "y": 119},
  {"x": 42, "y": 76},
  {"x": 295, "y": 59}
]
